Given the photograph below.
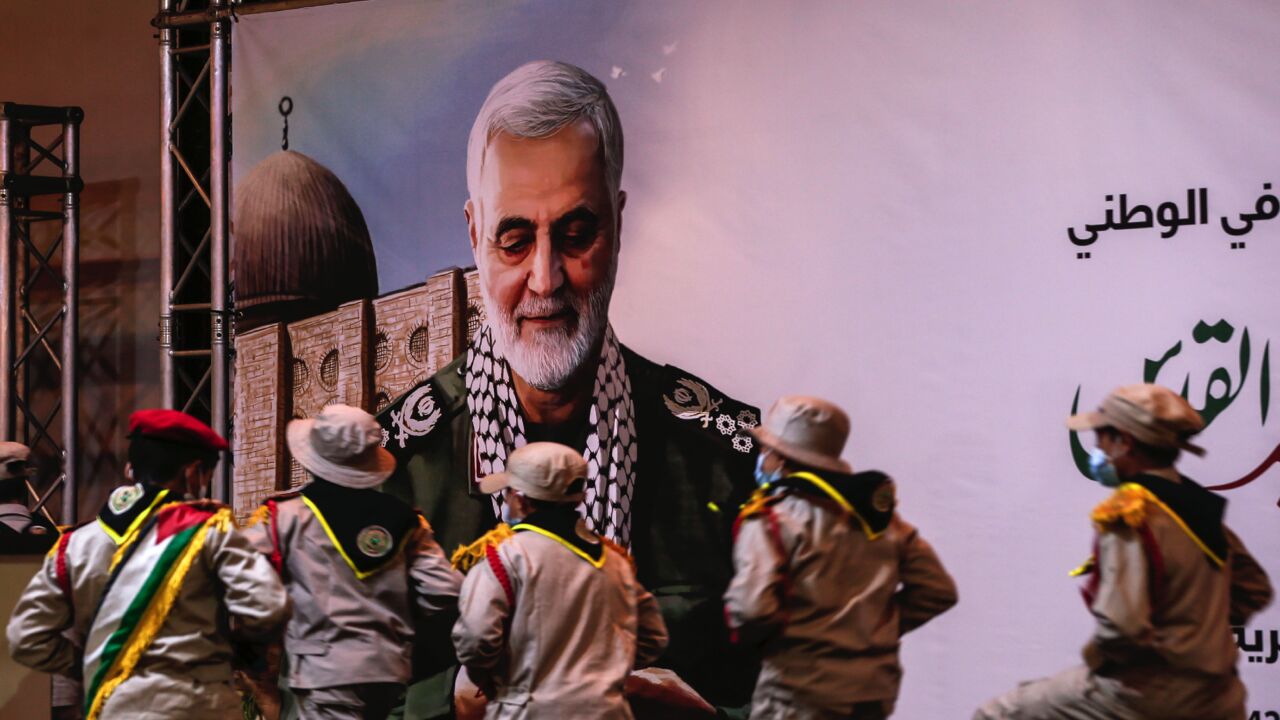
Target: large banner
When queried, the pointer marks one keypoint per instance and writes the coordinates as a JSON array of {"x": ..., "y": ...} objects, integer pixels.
[{"x": 958, "y": 220}]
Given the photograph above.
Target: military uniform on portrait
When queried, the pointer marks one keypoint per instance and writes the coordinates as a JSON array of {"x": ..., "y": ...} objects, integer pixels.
[{"x": 693, "y": 467}]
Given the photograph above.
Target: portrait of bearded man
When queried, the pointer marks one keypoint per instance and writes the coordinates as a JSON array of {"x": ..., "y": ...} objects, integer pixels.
[{"x": 670, "y": 459}]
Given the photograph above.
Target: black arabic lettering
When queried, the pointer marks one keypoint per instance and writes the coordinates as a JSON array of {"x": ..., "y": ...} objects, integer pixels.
[
  {"x": 1167, "y": 215},
  {"x": 1267, "y": 207}
]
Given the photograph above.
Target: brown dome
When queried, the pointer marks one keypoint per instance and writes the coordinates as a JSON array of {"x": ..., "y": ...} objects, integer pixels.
[{"x": 301, "y": 245}]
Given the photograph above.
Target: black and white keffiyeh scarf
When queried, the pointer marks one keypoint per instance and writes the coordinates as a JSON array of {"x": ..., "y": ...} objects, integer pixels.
[{"x": 609, "y": 438}]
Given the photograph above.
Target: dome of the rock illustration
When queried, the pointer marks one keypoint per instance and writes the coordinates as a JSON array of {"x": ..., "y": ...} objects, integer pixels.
[{"x": 301, "y": 246}]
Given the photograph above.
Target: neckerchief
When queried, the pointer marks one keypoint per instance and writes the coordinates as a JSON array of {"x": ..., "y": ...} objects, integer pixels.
[
  {"x": 1196, "y": 509},
  {"x": 561, "y": 524},
  {"x": 868, "y": 496},
  {"x": 368, "y": 528},
  {"x": 608, "y": 440}
]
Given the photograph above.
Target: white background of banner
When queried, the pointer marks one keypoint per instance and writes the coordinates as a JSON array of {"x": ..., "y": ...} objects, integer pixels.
[{"x": 869, "y": 202}]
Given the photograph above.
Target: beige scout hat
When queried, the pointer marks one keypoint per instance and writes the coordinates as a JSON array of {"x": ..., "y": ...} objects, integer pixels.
[
  {"x": 1152, "y": 414},
  {"x": 543, "y": 471},
  {"x": 343, "y": 445},
  {"x": 808, "y": 430},
  {"x": 12, "y": 452}
]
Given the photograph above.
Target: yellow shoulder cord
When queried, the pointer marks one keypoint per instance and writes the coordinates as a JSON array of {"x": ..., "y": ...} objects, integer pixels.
[
  {"x": 576, "y": 551},
  {"x": 835, "y": 495}
]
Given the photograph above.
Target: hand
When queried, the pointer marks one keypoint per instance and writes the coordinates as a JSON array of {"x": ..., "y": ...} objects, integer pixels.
[
  {"x": 469, "y": 697},
  {"x": 660, "y": 693}
]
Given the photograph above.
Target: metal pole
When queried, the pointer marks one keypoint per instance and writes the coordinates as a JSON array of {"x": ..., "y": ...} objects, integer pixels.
[
  {"x": 220, "y": 394},
  {"x": 8, "y": 307},
  {"x": 168, "y": 103},
  {"x": 71, "y": 318}
]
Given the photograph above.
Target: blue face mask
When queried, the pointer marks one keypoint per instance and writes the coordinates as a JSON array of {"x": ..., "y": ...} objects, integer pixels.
[
  {"x": 1101, "y": 468},
  {"x": 507, "y": 516},
  {"x": 766, "y": 478}
]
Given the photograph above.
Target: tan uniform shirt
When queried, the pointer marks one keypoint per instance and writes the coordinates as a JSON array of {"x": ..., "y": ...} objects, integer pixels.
[
  {"x": 574, "y": 633},
  {"x": 1174, "y": 634},
  {"x": 187, "y": 666},
  {"x": 345, "y": 630},
  {"x": 51, "y": 619},
  {"x": 829, "y": 615},
  {"x": 1162, "y": 646}
]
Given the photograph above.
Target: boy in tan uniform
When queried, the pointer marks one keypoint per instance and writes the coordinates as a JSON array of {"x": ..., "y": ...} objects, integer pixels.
[
  {"x": 552, "y": 617},
  {"x": 1166, "y": 581},
  {"x": 828, "y": 577},
  {"x": 138, "y": 602},
  {"x": 357, "y": 563}
]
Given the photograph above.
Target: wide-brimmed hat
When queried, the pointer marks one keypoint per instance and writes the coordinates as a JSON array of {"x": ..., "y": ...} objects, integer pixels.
[
  {"x": 1152, "y": 414},
  {"x": 808, "y": 430},
  {"x": 13, "y": 460},
  {"x": 343, "y": 445},
  {"x": 543, "y": 471}
]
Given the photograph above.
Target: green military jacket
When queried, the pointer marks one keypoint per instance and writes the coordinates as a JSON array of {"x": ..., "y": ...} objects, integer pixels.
[{"x": 694, "y": 470}]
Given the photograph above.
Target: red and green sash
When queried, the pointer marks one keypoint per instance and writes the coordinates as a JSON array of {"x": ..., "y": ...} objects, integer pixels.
[{"x": 146, "y": 578}]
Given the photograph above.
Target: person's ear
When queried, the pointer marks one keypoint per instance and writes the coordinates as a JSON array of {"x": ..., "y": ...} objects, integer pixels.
[
  {"x": 128, "y": 471},
  {"x": 1123, "y": 443},
  {"x": 473, "y": 225}
]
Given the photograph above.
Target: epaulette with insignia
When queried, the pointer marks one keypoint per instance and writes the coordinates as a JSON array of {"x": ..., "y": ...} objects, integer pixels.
[
  {"x": 697, "y": 404},
  {"x": 413, "y": 415},
  {"x": 1127, "y": 505},
  {"x": 466, "y": 556}
]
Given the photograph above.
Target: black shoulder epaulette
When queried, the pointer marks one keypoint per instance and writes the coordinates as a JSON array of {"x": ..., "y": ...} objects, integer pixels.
[
  {"x": 416, "y": 413},
  {"x": 695, "y": 404}
]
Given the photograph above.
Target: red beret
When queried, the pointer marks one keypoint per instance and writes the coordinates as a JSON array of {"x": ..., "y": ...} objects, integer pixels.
[{"x": 175, "y": 426}]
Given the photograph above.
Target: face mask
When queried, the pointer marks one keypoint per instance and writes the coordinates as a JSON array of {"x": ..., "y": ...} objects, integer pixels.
[
  {"x": 508, "y": 516},
  {"x": 766, "y": 478},
  {"x": 1101, "y": 469}
]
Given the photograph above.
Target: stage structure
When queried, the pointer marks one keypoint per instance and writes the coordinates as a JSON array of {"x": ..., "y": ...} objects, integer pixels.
[
  {"x": 196, "y": 312},
  {"x": 40, "y": 188}
]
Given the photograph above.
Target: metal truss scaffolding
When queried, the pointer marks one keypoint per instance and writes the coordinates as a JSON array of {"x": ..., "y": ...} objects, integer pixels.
[
  {"x": 196, "y": 313},
  {"x": 39, "y": 289},
  {"x": 195, "y": 127}
]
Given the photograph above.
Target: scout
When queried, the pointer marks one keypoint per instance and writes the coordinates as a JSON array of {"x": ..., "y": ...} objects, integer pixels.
[
  {"x": 145, "y": 592},
  {"x": 552, "y": 617},
  {"x": 1166, "y": 581},
  {"x": 20, "y": 532},
  {"x": 355, "y": 561},
  {"x": 828, "y": 577}
]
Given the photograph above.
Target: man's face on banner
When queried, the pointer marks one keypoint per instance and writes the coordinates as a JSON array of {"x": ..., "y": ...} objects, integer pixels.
[{"x": 545, "y": 236}]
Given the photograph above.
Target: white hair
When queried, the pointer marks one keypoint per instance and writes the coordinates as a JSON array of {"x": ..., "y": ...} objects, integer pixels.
[{"x": 536, "y": 100}]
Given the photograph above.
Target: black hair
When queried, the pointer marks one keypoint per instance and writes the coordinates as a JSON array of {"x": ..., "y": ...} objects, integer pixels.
[
  {"x": 158, "y": 462},
  {"x": 1157, "y": 456}
]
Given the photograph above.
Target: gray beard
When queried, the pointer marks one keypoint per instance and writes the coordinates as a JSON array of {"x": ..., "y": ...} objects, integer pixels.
[{"x": 549, "y": 358}]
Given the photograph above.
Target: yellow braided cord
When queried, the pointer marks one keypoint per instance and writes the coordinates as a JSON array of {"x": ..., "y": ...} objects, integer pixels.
[
  {"x": 157, "y": 612},
  {"x": 466, "y": 556},
  {"x": 132, "y": 536}
]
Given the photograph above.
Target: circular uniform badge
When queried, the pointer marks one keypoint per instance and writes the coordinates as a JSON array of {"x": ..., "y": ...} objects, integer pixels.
[
  {"x": 882, "y": 498},
  {"x": 374, "y": 541},
  {"x": 123, "y": 498}
]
